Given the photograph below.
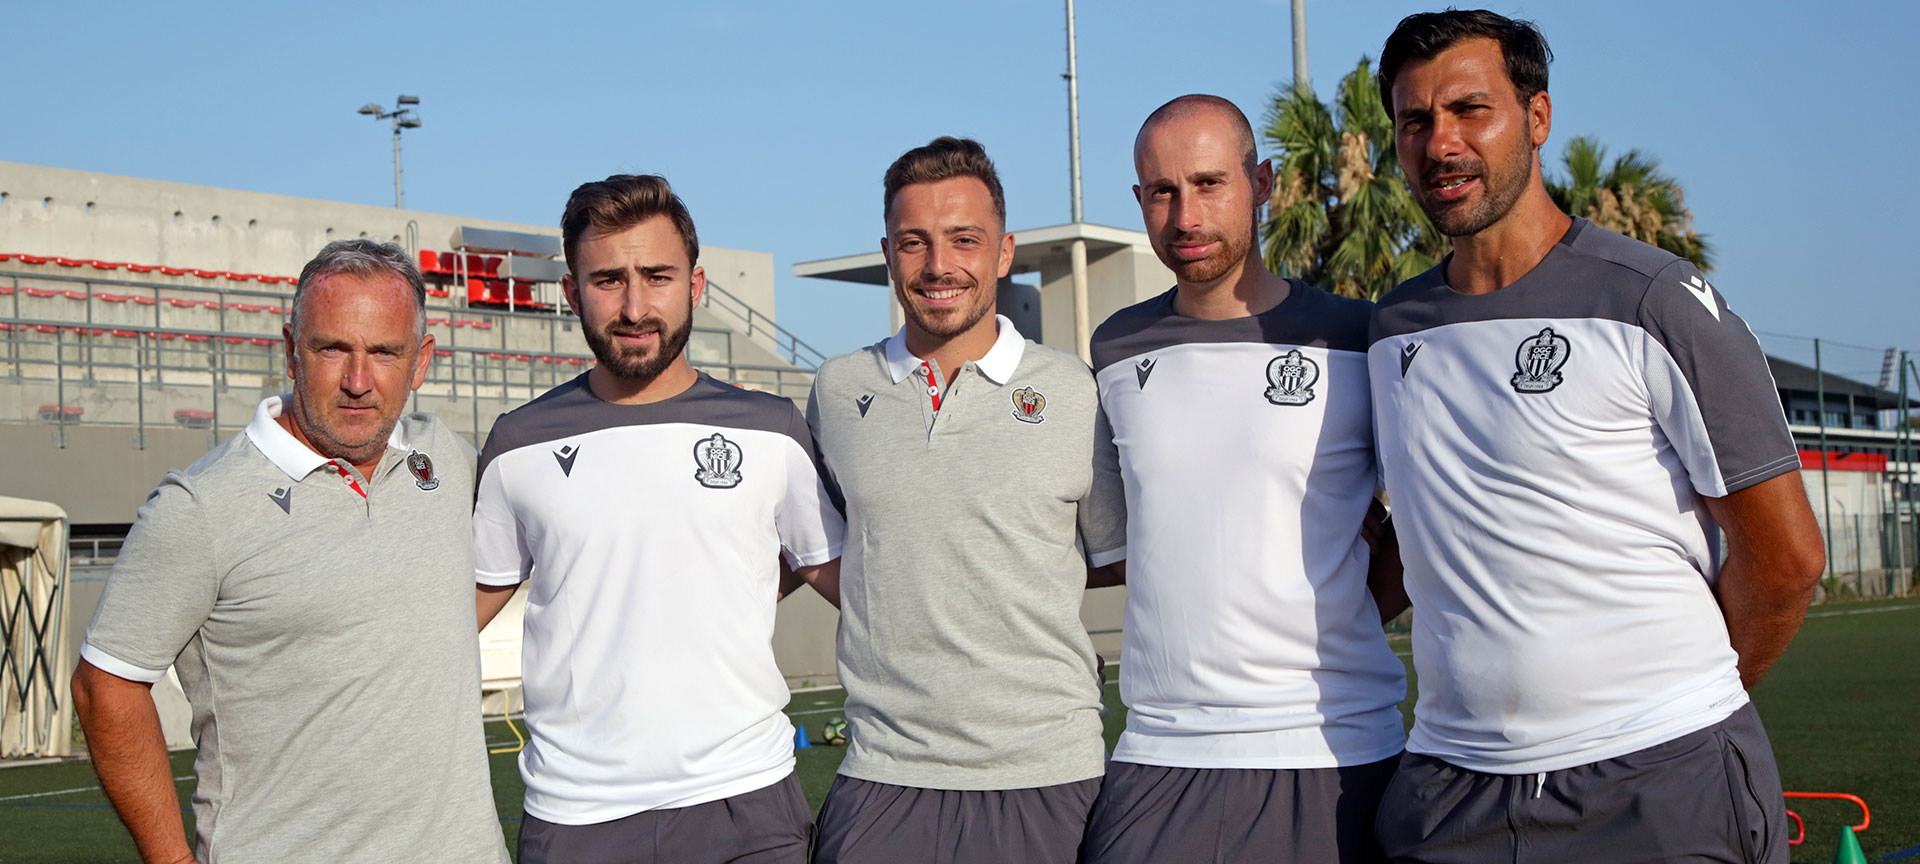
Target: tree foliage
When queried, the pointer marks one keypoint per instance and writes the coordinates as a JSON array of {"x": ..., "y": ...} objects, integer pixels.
[
  {"x": 1631, "y": 196},
  {"x": 1341, "y": 215}
]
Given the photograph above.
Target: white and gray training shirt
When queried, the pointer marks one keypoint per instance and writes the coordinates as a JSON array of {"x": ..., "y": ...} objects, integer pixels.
[
  {"x": 651, "y": 535},
  {"x": 1547, "y": 447},
  {"x": 1246, "y": 447}
]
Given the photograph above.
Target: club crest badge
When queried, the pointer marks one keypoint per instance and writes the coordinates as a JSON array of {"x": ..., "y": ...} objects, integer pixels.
[
  {"x": 1029, "y": 405},
  {"x": 719, "y": 462},
  {"x": 1290, "y": 378},
  {"x": 1538, "y": 362},
  {"x": 422, "y": 470}
]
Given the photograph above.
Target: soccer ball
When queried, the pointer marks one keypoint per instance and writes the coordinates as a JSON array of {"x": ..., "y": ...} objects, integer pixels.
[{"x": 834, "y": 731}]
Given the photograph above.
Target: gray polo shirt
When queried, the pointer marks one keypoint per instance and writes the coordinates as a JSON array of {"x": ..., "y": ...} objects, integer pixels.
[
  {"x": 960, "y": 645},
  {"x": 322, "y": 627}
]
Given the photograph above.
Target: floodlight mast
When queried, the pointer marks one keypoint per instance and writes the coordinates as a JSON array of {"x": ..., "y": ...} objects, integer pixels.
[{"x": 403, "y": 118}]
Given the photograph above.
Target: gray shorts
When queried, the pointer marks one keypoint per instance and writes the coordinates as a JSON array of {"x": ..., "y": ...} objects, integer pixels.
[
  {"x": 769, "y": 825},
  {"x": 1707, "y": 796},
  {"x": 863, "y": 822},
  {"x": 1149, "y": 813}
]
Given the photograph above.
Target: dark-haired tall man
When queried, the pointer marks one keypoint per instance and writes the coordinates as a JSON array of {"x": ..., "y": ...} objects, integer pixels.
[
  {"x": 648, "y": 505},
  {"x": 965, "y": 455},
  {"x": 308, "y": 581},
  {"x": 1263, "y": 702},
  {"x": 1565, "y": 418}
]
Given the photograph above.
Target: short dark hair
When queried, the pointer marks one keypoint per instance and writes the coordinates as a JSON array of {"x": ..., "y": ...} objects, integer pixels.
[
  {"x": 621, "y": 202},
  {"x": 1193, "y": 103},
  {"x": 945, "y": 158},
  {"x": 1423, "y": 35}
]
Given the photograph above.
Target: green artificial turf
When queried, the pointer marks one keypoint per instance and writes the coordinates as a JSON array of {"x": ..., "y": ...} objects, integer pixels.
[{"x": 1843, "y": 709}]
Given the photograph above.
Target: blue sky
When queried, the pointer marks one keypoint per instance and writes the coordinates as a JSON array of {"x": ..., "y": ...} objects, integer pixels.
[{"x": 775, "y": 120}]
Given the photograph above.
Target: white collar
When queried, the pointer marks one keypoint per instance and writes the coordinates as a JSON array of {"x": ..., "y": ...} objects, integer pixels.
[
  {"x": 285, "y": 451},
  {"x": 998, "y": 364}
]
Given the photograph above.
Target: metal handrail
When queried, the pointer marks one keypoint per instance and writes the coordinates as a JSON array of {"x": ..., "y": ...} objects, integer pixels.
[{"x": 796, "y": 351}]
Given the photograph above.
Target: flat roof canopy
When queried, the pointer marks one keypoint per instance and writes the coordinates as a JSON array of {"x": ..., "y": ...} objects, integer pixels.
[{"x": 1032, "y": 249}]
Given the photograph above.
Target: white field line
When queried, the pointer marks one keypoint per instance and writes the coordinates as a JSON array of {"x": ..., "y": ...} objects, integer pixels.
[
  {"x": 1838, "y": 612},
  {"x": 70, "y": 791}
]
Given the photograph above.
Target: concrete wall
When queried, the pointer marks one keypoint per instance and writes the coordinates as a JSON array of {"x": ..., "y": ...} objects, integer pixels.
[
  {"x": 88, "y": 215},
  {"x": 1115, "y": 280}
]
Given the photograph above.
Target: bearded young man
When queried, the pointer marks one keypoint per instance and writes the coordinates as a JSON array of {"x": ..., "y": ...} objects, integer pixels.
[
  {"x": 1567, "y": 419},
  {"x": 649, "y": 506},
  {"x": 965, "y": 456},
  {"x": 1263, "y": 717},
  {"x": 307, "y": 580}
]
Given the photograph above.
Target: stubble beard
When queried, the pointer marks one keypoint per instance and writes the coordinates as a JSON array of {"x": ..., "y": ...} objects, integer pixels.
[
  {"x": 1232, "y": 253},
  {"x": 1501, "y": 191},
  {"x": 639, "y": 367},
  {"x": 945, "y": 323}
]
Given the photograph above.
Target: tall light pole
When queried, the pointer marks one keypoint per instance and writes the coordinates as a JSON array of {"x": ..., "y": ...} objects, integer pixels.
[
  {"x": 1082, "y": 328},
  {"x": 403, "y": 117},
  {"x": 1300, "y": 47}
]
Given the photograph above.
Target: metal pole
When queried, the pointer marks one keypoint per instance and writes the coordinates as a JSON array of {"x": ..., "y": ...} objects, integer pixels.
[
  {"x": 396, "y": 161},
  {"x": 1900, "y": 489},
  {"x": 1826, "y": 494},
  {"x": 1300, "y": 47},
  {"x": 1082, "y": 325}
]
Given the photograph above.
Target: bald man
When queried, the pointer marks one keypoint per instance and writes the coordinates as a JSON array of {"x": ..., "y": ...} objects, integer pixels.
[{"x": 1263, "y": 700}]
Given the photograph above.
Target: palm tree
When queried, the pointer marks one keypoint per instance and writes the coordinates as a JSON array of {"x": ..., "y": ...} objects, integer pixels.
[
  {"x": 1341, "y": 217},
  {"x": 1631, "y": 196}
]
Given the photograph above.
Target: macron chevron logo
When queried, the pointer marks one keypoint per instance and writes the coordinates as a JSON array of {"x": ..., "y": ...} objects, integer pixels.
[
  {"x": 284, "y": 498},
  {"x": 1702, "y": 292},
  {"x": 565, "y": 457},
  {"x": 1142, "y": 369},
  {"x": 864, "y": 402},
  {"x": 1406, "y": 356}
]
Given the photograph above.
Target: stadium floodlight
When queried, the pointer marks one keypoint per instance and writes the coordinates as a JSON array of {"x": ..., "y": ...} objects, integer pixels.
[{"x": 403, "y": 118}]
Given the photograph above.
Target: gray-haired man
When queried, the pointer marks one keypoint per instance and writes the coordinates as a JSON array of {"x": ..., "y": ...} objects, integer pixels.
[{"x": 308, "y": 580}]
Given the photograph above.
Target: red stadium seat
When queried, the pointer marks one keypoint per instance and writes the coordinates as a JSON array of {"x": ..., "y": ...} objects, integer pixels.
[
  {"x": 32, "y": 259},
  {"x": 40, "y": 292},
  {"x": 235, "y": 340},
  {"x": 45, "y": 328},
  {"x": 105, "y": 265},
  {"x": 480, "y": 325},
  {"x": 436, "y": 292},
  {"x": 210, "y": 304},
  {"x": 195, "y": 337},
  {"x": 74, "y": 295},
  {"x": 112, "y": 298},
  {"x": 182, "y": 303},
  {"x": 442, "y": 352},
  {"x": 263, "y": 341},
  {"x": 141, "y": 299},
  {"x": 124, "y": 334},
  {"x": 68, "y": 262},
  {"x": 173, "y": 271},
  {"x": 205, "y": 274},
  {"x": 141, "y": 268}
]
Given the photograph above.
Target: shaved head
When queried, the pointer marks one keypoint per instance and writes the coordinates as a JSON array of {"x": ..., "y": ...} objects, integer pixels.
[{"x": 1200, "y": 105}]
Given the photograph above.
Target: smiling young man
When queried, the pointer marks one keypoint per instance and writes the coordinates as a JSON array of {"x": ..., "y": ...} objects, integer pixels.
[
  {"x": 1567, "y": 419},
  {"x": 965, "y": 456},
  {"x": 1263, "y": 717},
  {"x": 649, "y": 506},
  {"x": 308, "y": 580}
]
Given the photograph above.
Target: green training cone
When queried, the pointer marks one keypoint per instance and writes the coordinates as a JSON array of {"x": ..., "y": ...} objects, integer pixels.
[{"x": 1849, "y": 852}]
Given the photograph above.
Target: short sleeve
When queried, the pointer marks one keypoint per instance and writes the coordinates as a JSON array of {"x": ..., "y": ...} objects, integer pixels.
[
  {"x": 162, "y": 588},
  {"x": 500, "y": 552},
  {"x": 1710, "y": 388},
  {"x": 1103, "y": 513},
  {"x": 809, "y": 522}
]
